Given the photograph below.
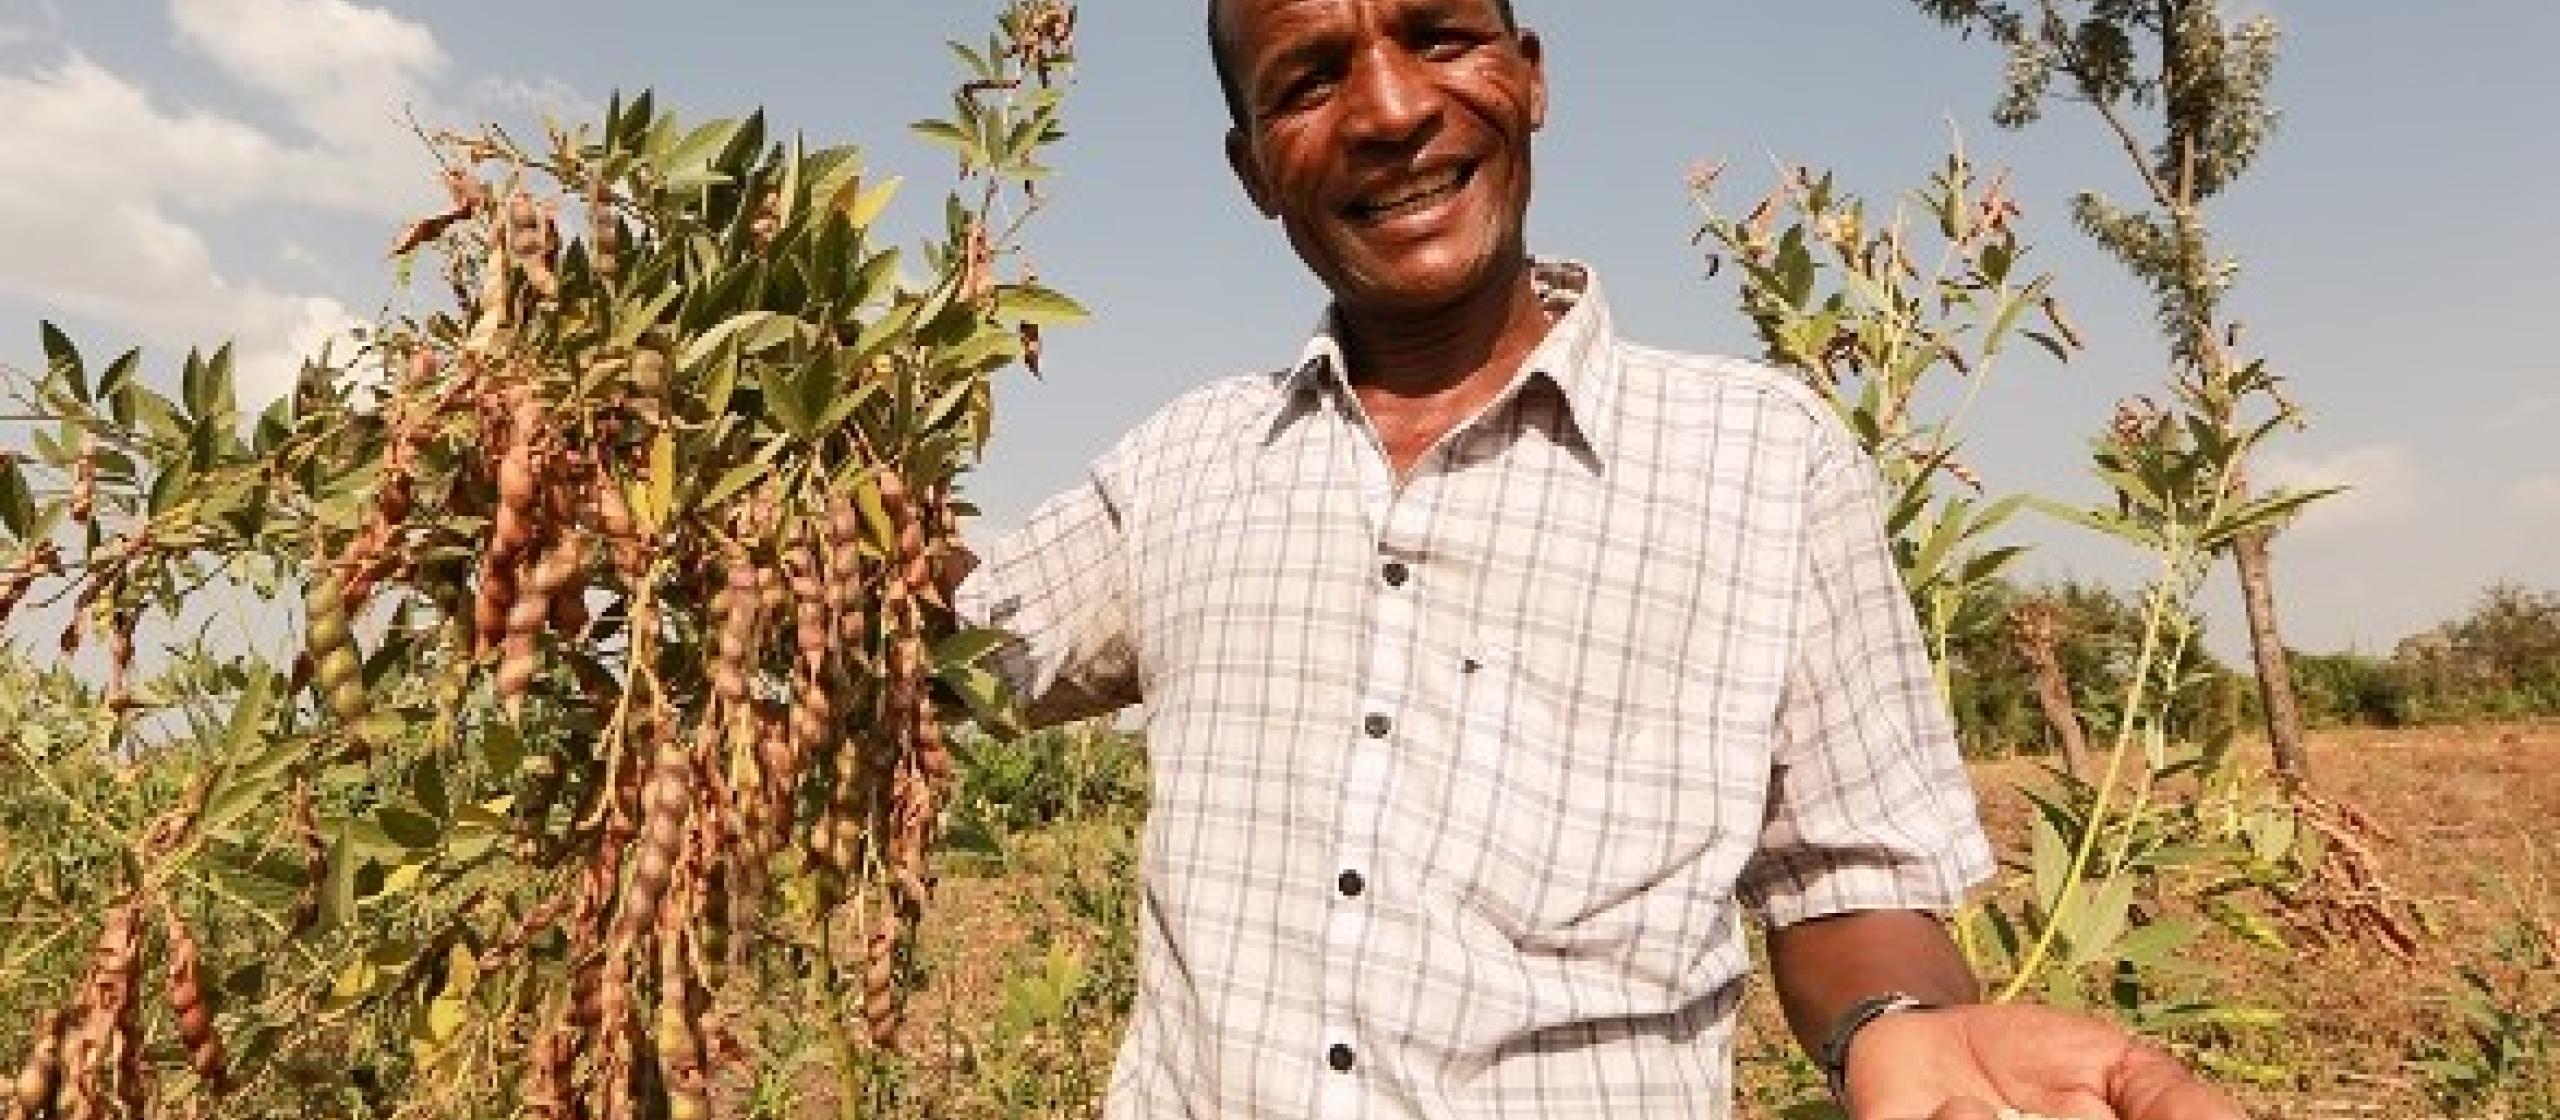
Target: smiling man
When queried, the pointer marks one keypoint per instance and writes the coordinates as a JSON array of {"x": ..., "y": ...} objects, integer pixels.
[{"x": 1495, "y": 667}]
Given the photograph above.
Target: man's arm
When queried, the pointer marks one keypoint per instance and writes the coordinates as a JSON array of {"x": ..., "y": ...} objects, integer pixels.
[
  {"x": 1058, "y": 588},
  {"x": 1824, "y": 966}
]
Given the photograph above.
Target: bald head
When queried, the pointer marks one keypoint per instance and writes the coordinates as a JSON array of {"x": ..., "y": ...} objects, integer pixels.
[{"x": 1231, "y": 83}]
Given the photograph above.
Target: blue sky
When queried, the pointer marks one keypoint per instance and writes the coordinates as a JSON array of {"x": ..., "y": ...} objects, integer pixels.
[{"x": 179, "y": 171}]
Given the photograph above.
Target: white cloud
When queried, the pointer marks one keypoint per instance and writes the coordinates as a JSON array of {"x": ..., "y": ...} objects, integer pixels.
[
  {"x": 2384, "y": 482},
  {"x": 346, "y": 74},
  {"x": 535, "y": 98},
  {"x": 110, "y": 181},
  {"x": 2536, "y": 496},
  {"x": 96, "y": 212}
]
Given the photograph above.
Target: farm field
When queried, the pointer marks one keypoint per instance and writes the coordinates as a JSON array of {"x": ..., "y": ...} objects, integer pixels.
[{"x": 2468, "y": 812}]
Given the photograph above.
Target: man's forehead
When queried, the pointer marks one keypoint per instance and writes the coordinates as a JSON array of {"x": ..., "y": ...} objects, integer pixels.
[{"x": 1241, "y": 18}]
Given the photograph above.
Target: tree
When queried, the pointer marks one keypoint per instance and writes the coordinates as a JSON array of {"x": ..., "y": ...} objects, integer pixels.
[{"x": 2200, "y": 81}]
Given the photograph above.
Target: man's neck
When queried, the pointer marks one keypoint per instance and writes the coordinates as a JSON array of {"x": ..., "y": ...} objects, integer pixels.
[
  {"x": 1420, "y": 373},
  {"x": 1405, "y": 352}
]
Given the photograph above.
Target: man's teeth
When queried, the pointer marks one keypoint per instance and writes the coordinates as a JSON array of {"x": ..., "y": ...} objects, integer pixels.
[{"x": 1420, "y": 192}]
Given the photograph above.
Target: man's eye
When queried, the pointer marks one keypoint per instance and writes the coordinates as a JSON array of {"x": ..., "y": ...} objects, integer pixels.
[
  {"x": 1304, "y": 91},
  {"x": 1446, "y": 48}
]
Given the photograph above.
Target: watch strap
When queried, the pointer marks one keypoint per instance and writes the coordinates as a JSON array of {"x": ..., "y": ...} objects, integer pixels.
[{"x": 1834, "y": 1057}]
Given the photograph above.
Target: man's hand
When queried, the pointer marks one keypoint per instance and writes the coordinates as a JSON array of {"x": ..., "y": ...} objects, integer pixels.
[{"x": 1969, "y": 1063}]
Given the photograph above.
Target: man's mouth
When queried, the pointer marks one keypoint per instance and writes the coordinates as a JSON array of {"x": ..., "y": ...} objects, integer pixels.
[{"x": 1413, "y": 195}]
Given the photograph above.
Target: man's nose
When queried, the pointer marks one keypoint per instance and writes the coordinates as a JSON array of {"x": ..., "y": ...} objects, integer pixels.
[{"x": 1389, "y": 97}]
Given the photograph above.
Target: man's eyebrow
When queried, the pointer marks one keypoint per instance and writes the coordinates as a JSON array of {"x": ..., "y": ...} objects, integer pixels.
[
  {"x": 1410, "y": 12},
  {"x": 1302, "y": 51}
]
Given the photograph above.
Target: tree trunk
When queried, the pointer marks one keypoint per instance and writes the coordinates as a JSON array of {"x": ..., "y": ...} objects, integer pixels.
[
  {"x": 2266, "y": 646},
  {"x": 2036, "y": 626}
]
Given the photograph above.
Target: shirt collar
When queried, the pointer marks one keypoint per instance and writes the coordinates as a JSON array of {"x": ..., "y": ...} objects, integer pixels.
[{"x": 1578, "y": 356}]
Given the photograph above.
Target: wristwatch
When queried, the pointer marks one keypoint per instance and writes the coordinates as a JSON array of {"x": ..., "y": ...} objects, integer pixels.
[{"x": 1834, "y": 1057}]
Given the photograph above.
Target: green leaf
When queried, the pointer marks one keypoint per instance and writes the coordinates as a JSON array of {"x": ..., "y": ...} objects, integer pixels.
[
  {"x": 2097, "y": 919},
  {"x": 17, "y": 502},
  {"x": 742, "y": 476},
  {"x": 873, "y": 280},
  {"x": 636, "y": 314},
  {"x": 866, "y": 207},
  {"x": 1031, "y": 303},
  {"x": 952, "y": 136},
  {"x": 2050, "y": 857},
  {"x": 254, "y": 780},
  {"x": 172, "y": 483},
  {"x": 2149, "y": 944},
  {"x": 783, "y": 399},
  {"x": 118, "y": 375},
  {"x": 984, "y": 693},
  {"x": 687, "y": 166},
  {"x": 968, "y": 647},
  {"x": 63, "y": 359},
  {"x": 338, "y": 894},
  {"x": 408, "y": 827}
]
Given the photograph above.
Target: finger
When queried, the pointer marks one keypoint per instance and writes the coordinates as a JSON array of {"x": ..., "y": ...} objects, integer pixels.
[
  {"x": 2150, "y": 1085},
  {"x": 1965, "y": 1108}
]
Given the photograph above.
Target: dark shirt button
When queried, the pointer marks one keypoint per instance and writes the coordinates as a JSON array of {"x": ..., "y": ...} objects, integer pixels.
[
  {"x": 1396, "y": 573},
  {"x": 1351, "y": 884},
  {"x": 1339, "y": 1057},
  {"x": 1377, "y": 726}
]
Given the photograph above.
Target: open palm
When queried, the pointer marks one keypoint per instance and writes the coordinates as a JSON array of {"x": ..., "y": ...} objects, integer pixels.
[{"x": 1968, "y": 1063}]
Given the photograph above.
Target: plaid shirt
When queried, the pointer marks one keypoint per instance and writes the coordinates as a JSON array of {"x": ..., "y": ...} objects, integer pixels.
[{"x": 1461, "y": 786}]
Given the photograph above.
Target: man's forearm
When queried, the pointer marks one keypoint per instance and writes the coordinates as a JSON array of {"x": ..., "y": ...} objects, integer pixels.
[{"x": 1825, "y": 966}]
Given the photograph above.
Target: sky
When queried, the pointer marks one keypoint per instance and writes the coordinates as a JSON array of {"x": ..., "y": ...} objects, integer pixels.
[{"x": 177, "y": 172}]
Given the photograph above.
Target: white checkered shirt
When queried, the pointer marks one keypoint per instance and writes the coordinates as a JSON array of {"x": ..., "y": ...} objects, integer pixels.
[{"x": 1461, "y": 785}]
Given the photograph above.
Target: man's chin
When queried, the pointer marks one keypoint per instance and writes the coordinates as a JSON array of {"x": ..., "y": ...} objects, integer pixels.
[{"x": 1422, "y": 281}]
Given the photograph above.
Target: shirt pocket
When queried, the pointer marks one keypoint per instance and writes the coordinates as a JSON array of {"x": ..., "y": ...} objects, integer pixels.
[{"x": 1594, "y": 829}]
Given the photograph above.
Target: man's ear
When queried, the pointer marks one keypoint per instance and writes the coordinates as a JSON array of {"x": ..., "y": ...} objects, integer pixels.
[
  {"x": 1534, "y": 50},
  {"x": 1240, "y": 159}
]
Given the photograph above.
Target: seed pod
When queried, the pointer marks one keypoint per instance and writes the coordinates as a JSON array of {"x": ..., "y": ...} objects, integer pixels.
[
  {"x": 305, "y": 819},
  {"x": 767, "y": 223},
  {"x": 737, "y": 608},
  {"x": 104, "y": 1042},
  {"x": 465, "y": 190},
  {"x": 527, "y": 616},
  {"x": 665, "y": 803},
  {"x": 977, "y": 263},
  {"x": 682, "y": 1064},
  {"x": 518, "y": 484},
  {"x": 649, "y": 373},
  {"x": 84, "y": 486},
  {"x": 2062, "y": 324},
  {"x": 119, "y": 692},
  {"x": 1031, "y": 348},
  {"x": 196, "y": 1031},
  {"x": 621, "y": 532},
  {"x": 337, "y": 670},
  {"x": 604, "y": 232},
  {"x": 844, "y": 571},
  {"x": 880, "y": 1003},
  {"x": 41, "y": 1077}
]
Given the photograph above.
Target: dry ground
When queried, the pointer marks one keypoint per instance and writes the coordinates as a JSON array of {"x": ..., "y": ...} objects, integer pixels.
[{"x": 2471, "y": 813}]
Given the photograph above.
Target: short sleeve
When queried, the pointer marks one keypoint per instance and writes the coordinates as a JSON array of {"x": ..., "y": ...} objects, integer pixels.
[
  {"x": 1869, "y": 805},
  {"x": 1058, "y": 588}
]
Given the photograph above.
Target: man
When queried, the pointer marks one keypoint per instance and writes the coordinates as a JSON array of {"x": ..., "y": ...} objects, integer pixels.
[{"x": 1493, "y": 665}]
